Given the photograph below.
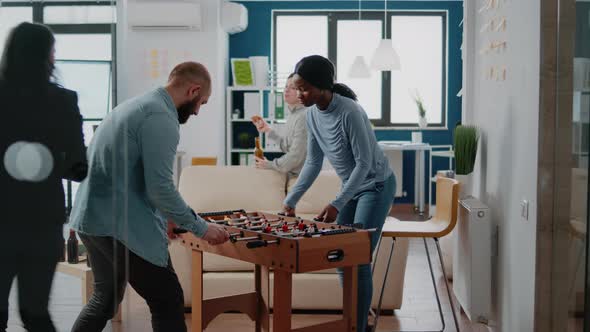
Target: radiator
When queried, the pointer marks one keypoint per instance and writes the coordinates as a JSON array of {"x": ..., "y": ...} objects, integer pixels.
[{"x": 472, "y": 278}]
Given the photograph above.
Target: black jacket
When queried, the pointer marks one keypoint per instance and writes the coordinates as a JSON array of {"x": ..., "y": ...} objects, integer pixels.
[{"x": 53, "y": 120}]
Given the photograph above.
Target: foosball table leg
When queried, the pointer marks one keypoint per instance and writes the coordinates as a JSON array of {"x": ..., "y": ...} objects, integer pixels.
[
  {"x": 350, "y": 296},
  {"x": 282, "y": 296},
  {"x": 262, "y": 283},
  {"x": 197, "y": 296}
]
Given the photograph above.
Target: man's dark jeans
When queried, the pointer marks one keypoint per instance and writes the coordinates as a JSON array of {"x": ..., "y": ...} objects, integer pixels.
[{"x": 113, "y": 266}]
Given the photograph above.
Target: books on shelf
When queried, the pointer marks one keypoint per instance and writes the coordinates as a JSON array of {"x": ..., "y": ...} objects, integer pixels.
[
  {"x": 243, "y": 159},
  {"x": 251, "y": 104},
  {"x": 247, "y": 159},
  {"x": 279, "y": 106}
]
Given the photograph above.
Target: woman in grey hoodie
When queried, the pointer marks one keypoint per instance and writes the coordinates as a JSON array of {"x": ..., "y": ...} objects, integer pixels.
[{"x": 293, "y": 141}]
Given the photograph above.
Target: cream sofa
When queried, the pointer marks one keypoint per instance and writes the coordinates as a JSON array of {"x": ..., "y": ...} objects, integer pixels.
[{"x": 217, "y": 188}]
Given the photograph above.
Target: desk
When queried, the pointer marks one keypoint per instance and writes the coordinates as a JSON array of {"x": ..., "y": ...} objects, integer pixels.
[{"x": 420, "y": 167}]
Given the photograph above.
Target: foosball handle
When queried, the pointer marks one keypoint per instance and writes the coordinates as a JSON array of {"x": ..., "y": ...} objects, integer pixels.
[
  {"x": 286, "y": 215},
  {"x": 256, "y": 244},
  {"x": 233, "y": 237}
]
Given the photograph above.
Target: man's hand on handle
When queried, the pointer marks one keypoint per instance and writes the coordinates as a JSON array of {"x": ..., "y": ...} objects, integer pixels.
[
  {"x": 216, "y": 234},
  {"x": 170, "y": 230}
]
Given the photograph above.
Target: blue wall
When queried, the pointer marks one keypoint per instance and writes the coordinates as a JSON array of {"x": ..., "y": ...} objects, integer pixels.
[
  {"x": 256, "y": 40},
  {"x": 582, "y": 30}
]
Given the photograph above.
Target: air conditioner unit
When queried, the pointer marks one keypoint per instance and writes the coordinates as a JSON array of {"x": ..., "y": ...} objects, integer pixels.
[
  {"x": 164, "y": 15},
  {"x": 234, "y": 17}
]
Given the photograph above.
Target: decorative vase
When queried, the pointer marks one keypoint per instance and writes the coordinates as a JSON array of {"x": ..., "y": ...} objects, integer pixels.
[{"x": 422, "y": 123}]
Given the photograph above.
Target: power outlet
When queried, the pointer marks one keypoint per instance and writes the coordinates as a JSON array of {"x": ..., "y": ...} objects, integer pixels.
[{"x": 524, "y": 209}]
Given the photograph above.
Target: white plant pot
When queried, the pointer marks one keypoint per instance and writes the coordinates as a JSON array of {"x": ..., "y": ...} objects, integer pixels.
[
  {"x": 423, "y": 123},
  {"x": 464, "y": 185}
]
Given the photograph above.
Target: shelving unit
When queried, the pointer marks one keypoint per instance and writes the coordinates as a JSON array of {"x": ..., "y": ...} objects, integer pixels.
[
  {"x": 580, "y": 129},
  {"x": 234, "y": 127}
]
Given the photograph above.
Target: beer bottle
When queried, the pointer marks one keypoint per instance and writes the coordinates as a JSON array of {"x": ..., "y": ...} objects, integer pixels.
[
  {"x": 72, "y": 248},
  {"x": 258, "y": 152}
]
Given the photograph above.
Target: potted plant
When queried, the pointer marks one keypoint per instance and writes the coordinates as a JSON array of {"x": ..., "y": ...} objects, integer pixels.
[
  {"x": 244, "y": 140},
  {"x": 466, "y": 138},
  {"x": 465, "y": 146},
  {"x": 422, "y": 122}
]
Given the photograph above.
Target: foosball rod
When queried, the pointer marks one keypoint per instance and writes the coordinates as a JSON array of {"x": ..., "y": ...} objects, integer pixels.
[{"x": 249, "y": 238}]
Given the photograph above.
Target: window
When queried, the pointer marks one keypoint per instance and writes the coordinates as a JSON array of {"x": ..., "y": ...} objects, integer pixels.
[
  {"x": 94, "y": 97},
  {"x": 421, "y": 72},
  {"x": 79, "y": 15},
  {"x": 10, "y": 17},
  {"x": 388, "y": 97},
  {"x": 368, "y": 90},
  {"x": 289, "y": 30},
  {"x": 76, "y": 46}
]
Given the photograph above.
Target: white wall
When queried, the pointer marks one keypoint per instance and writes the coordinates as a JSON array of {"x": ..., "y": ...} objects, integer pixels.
[
  {"x": 506, "y": 168},
  {"x": 202, "y": 135}
]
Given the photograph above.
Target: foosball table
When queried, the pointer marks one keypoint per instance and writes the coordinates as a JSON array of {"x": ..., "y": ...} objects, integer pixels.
[{"x": 286, "y": 245}]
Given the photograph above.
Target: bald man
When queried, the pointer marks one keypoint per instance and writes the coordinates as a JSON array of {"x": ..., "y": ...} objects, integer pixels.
[{"x": 121, "y": 209}]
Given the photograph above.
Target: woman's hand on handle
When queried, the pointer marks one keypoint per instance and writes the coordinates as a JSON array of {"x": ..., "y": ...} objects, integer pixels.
[
  {"x": 328, "y": 214},
  {"x": 288, "y": 211}
]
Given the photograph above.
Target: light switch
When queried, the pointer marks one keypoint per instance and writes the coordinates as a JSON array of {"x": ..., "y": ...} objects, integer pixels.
[{"x": 524, "y": 209}]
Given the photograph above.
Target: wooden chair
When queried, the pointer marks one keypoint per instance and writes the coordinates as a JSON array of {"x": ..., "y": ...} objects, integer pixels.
[{"x": 443, "y": 222}]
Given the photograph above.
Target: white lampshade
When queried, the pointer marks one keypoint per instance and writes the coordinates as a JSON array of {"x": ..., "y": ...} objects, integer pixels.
[
  {"x": 385, "y": 57},
  {"x": 359, "y": 68}
]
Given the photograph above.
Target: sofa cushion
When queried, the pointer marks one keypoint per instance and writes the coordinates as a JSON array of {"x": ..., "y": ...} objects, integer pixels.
[
  {"x": 231, "y": 187},
  {"x": 321, "y": 193}
]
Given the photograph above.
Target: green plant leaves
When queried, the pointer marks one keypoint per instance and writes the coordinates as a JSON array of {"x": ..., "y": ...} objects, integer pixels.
[{"x": 466, "y": 138}]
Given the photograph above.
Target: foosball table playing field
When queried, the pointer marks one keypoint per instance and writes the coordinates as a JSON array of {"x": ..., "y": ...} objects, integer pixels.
[{"x": 286, "y": 245}]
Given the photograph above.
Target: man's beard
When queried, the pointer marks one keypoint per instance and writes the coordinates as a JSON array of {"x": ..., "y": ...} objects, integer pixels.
[{"x": 186, "y": 110}]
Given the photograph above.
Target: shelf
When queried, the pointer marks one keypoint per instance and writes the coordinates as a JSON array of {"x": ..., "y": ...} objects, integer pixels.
[{"x": 249, "y": 88}]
